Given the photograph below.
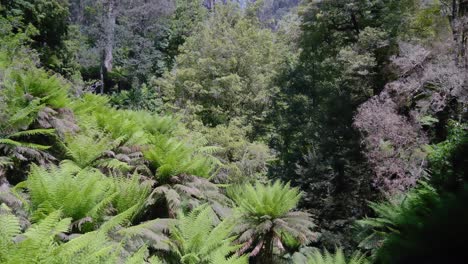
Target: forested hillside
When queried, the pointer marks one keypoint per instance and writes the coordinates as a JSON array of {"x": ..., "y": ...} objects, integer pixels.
[{"x": 233, "y": 131}]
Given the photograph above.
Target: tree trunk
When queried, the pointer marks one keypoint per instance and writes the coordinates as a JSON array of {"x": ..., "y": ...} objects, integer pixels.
[
  {"x": 109, "y": 31},
  {"x": 267, "y": 255}
]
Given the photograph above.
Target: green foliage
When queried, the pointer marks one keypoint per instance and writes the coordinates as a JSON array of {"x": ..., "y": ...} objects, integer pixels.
[
  {"x": 342, "y": 60},
  {"x": 430, "y": 233},
  {"x": 197, "y": 239},
  {"x": 99, "y": 167},
  {"x": 13, "y": 43},
  {"x": 241, "y": 160},
  {"x": 317, "y": 257},
  {"x": 184, "y": 192},
  {"x": 50, "y": 90},
  {"x": 152, "y": 233},
  {"x": 25, "y": 92},
  {"x": 265, "y": 212},
  {"x": 10, "y": 228},
  {"x": 58, "y": 188},
  {"x": 49, "y": 20},
  {"x": 39, "y": 243},
  {"x": 447, "y": 159},
  {"x": 428, "y": 23},
  {"x": 395, "y": 215},
  {"x": 131, "y": 192},
  {"x": 85, "y": 150},
  {"x": 159, "y": 138},
  {"x": 139, "y": 98},
  {"x": 185, "y": 19},
  {"x": 124, "y": 123},
  {"x": 36, "y": 243},
  {"x": 224, "y": 72},
  {"x": 172, "y": 157},
  {"x": 258, "y": 200}
]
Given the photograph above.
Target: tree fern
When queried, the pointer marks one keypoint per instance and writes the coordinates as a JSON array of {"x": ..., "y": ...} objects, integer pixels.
[
  {"x": 39, "y": 244},
  {"x": 59, "y": 188},
  {"x": 185, "y": 192},
  {"x": 133, "y": 125},
  {"x": 395, "y": 213},
  {"x": 37, "y": 83},
  {"x": 16, "y": 144},
  {"x": 197, "y": 239},
  {"x": 85, "y": 149},
  {"x": 172, "y": 157},
  {"x": 427, "y": 228},
  {"x": 264, "y": 213},
  {"x": 87, "y": 193},
  {"x": 152, "y": 233},
  {"x": 22, "y": 99}
]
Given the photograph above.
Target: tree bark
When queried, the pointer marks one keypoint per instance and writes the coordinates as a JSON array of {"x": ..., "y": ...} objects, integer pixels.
[
  {"x": 267, "y": 255},
  {"x": 109, "y": 32}
]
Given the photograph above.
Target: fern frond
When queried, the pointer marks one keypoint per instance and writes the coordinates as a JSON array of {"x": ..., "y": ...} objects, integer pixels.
[
  {"x": 33, "y": 132},
  {"x": 198, "y": 238}
]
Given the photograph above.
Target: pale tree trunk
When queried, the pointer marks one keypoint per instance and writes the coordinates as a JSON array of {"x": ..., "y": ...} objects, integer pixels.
[{"x": 109, "y": 31}]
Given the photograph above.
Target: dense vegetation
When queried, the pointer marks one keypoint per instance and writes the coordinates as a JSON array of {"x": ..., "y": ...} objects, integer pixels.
[{"x": 268, "y": 131}]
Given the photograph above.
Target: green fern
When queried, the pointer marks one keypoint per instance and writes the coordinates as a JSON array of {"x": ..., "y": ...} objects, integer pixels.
[
  {"x": 39, "y": 243},
  {"x": 394, "y": 213},
  {"x": 180, "y": 193},
  {"x": 88, "y": 148},
  {"x": 37, "y": 83},
  {"x": 197, "y": 239},
  {"x": 9, "y": 228},
  {"x": 36, "y": 244},
  {"x": 101, "y": 246},
  {"x": 317, "y": 257},
  {"x": 172, "y": 157},
  {"x": 131, "y": 192},
  {"x": 59, "y": 188},
  {"x": 134, "y": 126},
  {"x": 265, "y": 213},
  {"x": 152, "y": 233}
]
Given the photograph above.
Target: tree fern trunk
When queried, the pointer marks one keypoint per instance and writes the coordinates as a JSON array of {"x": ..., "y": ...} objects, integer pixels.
[{"x": 267, "y": 255}]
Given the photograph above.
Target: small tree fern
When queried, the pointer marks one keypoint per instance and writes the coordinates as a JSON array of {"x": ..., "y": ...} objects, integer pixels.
[
  {"x": 197, "y": 239},
  {"x": 264, "y": 213}
]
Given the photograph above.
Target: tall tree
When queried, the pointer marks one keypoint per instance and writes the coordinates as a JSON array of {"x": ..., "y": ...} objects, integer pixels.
[
  {"x": 122, "y": 38},
  {"x": 225, "y": 70},
  {"x": 345, "y": 48}
]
